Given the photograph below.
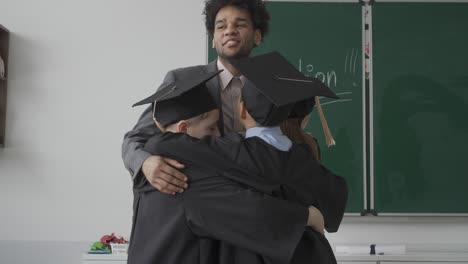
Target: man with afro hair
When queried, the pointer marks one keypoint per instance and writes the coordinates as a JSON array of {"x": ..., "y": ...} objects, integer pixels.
[{"x": 237, "y": 26}]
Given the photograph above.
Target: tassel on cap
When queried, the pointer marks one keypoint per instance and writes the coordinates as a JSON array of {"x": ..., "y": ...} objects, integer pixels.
[{"x": 326, "y": 130}]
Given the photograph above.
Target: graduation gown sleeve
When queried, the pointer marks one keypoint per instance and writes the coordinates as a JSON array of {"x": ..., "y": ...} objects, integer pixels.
[
  {"x": 218, "y": 206},
  {"x": 310, "y": 183},
  {"x": 243, "y": 161},
  {"x": 225, "y": 210}
]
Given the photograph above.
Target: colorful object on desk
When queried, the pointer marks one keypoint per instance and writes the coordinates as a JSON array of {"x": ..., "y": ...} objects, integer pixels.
[
  {"x": 118, "y": 248},
  {"x": 99, "y": 248},
  {"x": 98, "y": 245},
  {"x": 100, "y": 251},
  {"x": 107, "y": 239},
  {"x": 103, "y": 246}
]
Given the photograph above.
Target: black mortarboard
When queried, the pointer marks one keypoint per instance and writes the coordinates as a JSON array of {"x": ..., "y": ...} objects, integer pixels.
[
  {"x": 182, "y": 99},
  {"x": 302, "y": 109},
  {"x": 274, "y": 85}
]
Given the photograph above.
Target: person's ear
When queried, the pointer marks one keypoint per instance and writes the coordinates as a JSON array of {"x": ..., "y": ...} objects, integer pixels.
[
  {"x": 182, "y": 126},
  {"x": 257, "y": 37},
  {"x": 213, "y": 43}
]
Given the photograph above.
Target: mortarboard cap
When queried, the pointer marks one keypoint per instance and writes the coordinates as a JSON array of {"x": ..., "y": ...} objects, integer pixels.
[
  {"x": 182, "y": 99},
  {"x": 274, "y": 86},
  {"x": 302, "y": 109}
]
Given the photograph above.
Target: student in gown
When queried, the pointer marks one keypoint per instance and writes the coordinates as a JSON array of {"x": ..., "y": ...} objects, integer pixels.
[
  {"x": 290, "y": 170},
  {"x": 186, "y": 228}
]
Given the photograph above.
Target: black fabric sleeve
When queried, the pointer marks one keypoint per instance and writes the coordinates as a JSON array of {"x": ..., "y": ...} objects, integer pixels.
[{"x": 225, "y": 210}]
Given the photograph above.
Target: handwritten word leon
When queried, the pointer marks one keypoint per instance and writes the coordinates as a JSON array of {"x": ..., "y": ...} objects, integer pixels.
[{"x": 330, "y": 78}]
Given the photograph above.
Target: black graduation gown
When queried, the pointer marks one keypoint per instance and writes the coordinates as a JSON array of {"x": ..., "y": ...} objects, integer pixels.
[
  {"x": 185, "y": 228},
  {"x": 292, "y": 175}
]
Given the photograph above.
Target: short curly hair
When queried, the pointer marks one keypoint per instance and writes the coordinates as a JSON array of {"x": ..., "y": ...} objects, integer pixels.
[{"x": 256, "y": 9}]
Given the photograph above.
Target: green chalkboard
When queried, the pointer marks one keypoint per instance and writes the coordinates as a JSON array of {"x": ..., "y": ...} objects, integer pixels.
[
  {"x": 420, "y": 107},
  {"x": 324, "y": 40}
]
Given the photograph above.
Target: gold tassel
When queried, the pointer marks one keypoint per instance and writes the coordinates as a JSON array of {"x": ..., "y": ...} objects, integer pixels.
[{"x": 326, "y": 131}]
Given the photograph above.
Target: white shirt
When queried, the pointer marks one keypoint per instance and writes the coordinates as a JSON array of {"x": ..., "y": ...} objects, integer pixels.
[{"x": 271, "y": 135}]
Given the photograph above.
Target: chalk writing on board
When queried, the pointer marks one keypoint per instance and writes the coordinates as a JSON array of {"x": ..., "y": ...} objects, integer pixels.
[
  {"x": 329, "y": 78},
  {"x": 338, "y": 100},
  {"x": 350, "y": 61}
]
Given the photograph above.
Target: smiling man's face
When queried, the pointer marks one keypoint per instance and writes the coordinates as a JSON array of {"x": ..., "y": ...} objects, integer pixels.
[{"x": 234, "y": 33}]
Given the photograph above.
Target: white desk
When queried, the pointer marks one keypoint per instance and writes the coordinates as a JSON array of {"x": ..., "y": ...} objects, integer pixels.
[
  {"x": 408, "y": 258},
  {"x": 103, "y": 259}
]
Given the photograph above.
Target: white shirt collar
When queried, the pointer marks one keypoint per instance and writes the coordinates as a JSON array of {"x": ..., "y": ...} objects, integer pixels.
[
  {"x": 271, "y": 135},
  {"x": 226, "y": 76}
]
